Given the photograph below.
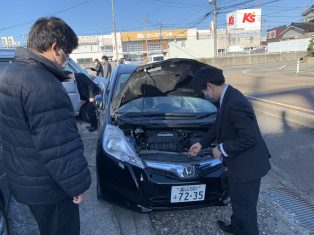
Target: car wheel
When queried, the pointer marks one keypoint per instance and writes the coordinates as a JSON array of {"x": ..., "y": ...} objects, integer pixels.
[
  {"x": 83, "y": 112},
  {"x": 4, "y": 224}
]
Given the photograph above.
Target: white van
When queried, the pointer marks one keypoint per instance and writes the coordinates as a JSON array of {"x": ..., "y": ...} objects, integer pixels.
[{"x": 156, "y": 58}]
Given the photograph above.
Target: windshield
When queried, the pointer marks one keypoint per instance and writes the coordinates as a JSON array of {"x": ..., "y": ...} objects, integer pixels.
[
  {"x": 122, "y": 78},
  {"x": 167, "y": 104}
]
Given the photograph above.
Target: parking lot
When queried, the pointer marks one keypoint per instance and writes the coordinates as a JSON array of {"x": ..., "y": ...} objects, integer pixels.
[
  {"x": 288, "y": 169},
  {"x": 289, "y": 182}
]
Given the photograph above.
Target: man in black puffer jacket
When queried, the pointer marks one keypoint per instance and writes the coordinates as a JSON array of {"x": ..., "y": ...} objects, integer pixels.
[{"x": 41, "y": 144}]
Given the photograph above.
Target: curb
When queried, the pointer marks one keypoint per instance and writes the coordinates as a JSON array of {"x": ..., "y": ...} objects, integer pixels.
[
  {"x": 133, "y": 223},
  {"x": 286, "y": 112}
]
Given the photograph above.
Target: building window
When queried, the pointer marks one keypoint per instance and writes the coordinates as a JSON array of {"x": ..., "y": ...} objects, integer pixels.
[
  {"x": 107, "y": 48},
  {"x": 244, "y": 40},
  {"x": 133, "y": 47},
  {"x": 154, "y": 47},
  {"x": 84, "y": 60}
]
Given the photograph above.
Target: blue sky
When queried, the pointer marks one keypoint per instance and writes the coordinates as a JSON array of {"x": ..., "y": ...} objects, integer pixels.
[{"x": 94, "y": 16}]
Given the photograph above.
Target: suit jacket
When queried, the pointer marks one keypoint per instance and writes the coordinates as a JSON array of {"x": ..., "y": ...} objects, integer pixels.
[{"x": 237, "y": 128}]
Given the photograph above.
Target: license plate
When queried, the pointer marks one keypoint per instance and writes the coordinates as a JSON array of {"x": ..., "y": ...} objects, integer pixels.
[{"x": 188, "y": 193}]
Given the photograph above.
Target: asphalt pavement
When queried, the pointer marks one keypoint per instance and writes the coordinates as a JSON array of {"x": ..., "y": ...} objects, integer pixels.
[
  {"x": 281, "y": 99},
  {"x": 291, "y": 146}
]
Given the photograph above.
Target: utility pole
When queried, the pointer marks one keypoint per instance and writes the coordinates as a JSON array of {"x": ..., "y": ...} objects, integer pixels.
[
  {"x": 215, "y": 28},
  {"x": 160, "y": 33},
  {"x": 260, "y": 34},
  {"x": 114, "y": 29},
  {"x": 146, "y": 20}
]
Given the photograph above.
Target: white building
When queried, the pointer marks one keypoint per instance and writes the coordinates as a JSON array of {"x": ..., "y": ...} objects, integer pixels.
[{"x": 93, "y": 47}]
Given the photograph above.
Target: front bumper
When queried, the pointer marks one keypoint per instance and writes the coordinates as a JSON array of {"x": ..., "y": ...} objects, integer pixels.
[{"x": 148, "y": 189}]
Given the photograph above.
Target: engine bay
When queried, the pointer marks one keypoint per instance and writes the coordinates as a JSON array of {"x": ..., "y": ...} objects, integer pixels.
[{"x": 169, "y": 140}]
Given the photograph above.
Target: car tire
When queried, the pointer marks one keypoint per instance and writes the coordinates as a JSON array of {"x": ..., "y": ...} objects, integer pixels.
[
  {"x": 98, "y": 191},
  {"x": 4, "y": 223},
  {"x": 83, "y": 112}
]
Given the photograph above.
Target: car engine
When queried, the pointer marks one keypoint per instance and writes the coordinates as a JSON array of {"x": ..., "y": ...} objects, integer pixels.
[{"x": 174, "y": 140}]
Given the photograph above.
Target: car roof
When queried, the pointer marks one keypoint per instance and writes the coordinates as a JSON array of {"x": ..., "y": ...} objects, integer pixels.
[{"x": 7, "y": 53}]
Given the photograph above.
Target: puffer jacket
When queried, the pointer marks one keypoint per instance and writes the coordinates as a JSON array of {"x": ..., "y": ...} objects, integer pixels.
[{"x": 41, "y": 144}]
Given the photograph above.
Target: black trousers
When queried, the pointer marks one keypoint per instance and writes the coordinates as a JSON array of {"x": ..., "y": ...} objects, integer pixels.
[
  {"x": 62, "y": 218},
  {"x": 91, "y": 111},
  {"x": 244, "y": 197}
]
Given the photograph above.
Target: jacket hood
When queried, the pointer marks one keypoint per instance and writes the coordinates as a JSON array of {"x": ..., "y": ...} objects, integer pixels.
[
  {"x": 28, "y": 56},
  {"x": 173, "y": 77}
]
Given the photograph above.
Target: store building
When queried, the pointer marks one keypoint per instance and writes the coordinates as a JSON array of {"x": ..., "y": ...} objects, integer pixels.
[{"x": 141, "y": 46}]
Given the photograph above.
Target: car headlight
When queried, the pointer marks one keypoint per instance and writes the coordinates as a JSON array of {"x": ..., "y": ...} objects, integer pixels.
[{"x": 116, "y": 144}]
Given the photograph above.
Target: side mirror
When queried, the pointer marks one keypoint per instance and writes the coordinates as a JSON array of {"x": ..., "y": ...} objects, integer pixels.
[{"x": 98, "y": 101}]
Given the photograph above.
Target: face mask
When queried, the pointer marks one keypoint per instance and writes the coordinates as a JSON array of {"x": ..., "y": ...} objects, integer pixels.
[{"x": 210, "y": 99}]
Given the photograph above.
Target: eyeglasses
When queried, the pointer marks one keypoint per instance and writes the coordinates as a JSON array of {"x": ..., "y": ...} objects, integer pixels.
[{"x": 66, "y": 58}]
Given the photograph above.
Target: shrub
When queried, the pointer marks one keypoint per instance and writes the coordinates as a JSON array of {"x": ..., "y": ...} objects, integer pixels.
[{"x": 310, "y": 48}]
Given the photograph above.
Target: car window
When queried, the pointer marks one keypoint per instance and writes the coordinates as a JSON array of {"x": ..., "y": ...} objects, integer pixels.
[
  {"x": 75, "y": 68},
  {"x": 168, "y": 104},
  {"x": 106, "y": 95},
  {"x": 121, "y": 80}
]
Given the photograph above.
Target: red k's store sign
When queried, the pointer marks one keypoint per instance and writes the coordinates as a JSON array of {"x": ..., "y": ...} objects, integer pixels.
[{"x": 248, "y": 19}]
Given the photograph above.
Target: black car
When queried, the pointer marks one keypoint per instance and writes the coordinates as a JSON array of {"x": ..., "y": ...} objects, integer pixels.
[{"x": 147, "y": 125}]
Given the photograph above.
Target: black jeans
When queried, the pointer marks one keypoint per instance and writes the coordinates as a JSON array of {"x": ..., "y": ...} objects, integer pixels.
[
  {"x": 91, "y": 111},
  {"x": 244, "y": 197},
  {"x": 62, "y": 218}
]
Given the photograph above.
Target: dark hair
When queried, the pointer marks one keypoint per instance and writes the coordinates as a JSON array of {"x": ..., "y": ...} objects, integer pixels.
[
  {"x": 208, "y": 74},
  {"x": 96, "y": 60},
  {"x": 104, "y": 58},
  {"x": 46, "y": 31}
]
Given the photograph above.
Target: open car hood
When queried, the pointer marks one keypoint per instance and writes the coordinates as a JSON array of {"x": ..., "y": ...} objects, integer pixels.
[{"x": 173, "y": 77}]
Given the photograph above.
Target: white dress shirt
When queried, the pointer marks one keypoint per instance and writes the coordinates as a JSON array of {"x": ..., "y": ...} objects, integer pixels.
[{"x": 221, "y": 99}]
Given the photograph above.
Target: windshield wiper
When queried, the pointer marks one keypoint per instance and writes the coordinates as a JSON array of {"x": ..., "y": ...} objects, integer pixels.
[{"x": 157, "y": 114}]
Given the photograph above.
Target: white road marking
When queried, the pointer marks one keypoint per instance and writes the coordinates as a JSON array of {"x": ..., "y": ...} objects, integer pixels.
[
  {"x": 282, "y": 67},
  {"x": 281, "y": 104}
]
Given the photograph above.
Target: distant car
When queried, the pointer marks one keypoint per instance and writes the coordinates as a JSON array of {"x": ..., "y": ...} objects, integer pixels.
[
  {"x": 7, "y": 56},
  {"x": 148, "y": 121},
  {"x": 156, "y": 58}
]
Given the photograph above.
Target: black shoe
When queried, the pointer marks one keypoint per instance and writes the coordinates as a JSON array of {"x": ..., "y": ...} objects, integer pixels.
[
  {"x": 225, "y": 227},
  {"x": 92, "y": 129}
]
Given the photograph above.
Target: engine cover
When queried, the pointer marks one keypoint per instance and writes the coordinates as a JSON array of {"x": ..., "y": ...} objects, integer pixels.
[{"x": 164, "y": 141}]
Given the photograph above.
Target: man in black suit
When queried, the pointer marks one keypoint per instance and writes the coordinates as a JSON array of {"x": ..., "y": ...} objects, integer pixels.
[{"x": 240, "y": 147}]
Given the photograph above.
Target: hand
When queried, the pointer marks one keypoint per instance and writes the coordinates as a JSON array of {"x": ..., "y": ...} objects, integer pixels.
[
  {"x": 80, "y": 198},
  {"x": 91, "y": 100},
  {"x": 195, "y": 149},
  {"x": 217, "y": 154}
]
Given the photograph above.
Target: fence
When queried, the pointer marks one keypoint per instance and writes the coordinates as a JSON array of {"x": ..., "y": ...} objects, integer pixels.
[{"x": 252, "y": 59}]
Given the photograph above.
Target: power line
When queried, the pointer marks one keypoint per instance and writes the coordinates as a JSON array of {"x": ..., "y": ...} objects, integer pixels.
[
  {"x": 55, "y": 13},
  {"x": 171, "y": 4}
]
